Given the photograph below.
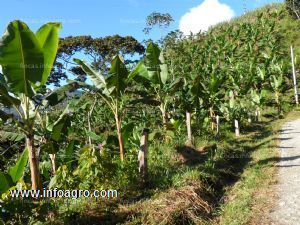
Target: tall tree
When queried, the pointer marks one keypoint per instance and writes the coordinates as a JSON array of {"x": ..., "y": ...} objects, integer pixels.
[
  {"x": 99, "y": 52},
  {"x": 293, "y": 7},
  {"x": 162, "y": 20}
]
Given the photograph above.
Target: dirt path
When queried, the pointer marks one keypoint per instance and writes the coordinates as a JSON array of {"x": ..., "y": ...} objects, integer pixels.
[{"x": 287, "y": 209}]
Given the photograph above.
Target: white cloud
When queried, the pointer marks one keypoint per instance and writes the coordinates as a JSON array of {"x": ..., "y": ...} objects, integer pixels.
[{"x": 201, "y": 17}]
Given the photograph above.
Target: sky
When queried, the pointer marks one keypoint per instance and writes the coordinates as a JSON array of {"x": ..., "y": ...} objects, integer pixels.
[{"x": 124, "y": 17}]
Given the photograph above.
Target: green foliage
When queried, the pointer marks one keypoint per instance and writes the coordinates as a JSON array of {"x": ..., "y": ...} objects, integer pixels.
[
  {"x": 6, "y": 98},
  {"x": 94, "y": 169},
  {"x": 114, "y": 84},
  {"x": 11, "y": 136},
  {"x": 21, "y": 47},
  {"x": 15, "y": 173},
  {"x": 6, "y": 182},
  {"x": 59, "y": 127},
  {"x": 127, "y": 131},
  {"x": 30, "y": 52},
  {"x": 276, "y": 84},
  {"x": 112, "y": 90},
  {"x": 97, "y": 170},
  {"x": 152, "y": 72},
  {"x": 26, "y": 60},
  {"x": 97, "y": 78},
  {"x": 101, "y": 49},
  {"x": 60, "y": 94},
  {"x": 233, "y": 108},
  {"x": 230, "y": 71},
  {"x": 116, "y": 81},
  {"x": 223, "y": 67},
  {"x": 153, "y": 67},
  {"x": 47, "y": 37}
]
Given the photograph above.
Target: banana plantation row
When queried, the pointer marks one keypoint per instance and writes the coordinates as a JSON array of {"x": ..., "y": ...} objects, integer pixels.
[{"x": 228, "y": 74}]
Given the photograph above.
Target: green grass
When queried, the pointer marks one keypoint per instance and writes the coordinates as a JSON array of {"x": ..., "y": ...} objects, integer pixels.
[
  {"x": 225, "y": 184},
  {"x": 251, "y": 196}
]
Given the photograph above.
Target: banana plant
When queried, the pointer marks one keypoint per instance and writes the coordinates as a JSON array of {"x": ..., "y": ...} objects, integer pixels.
[
  {"x": 257, "y": 100},
  {"x": 233, "y": 110},
  {"x": 152, "y": 73},
  {"x": 178, "y": 58},
  {"x": 26, "y": 59},
  {"x": 111, "y": 89},
  {"x": 211, "y": 95},
  {"x": 276, "y": 83},
  {"x": 48, "y": 133},
  {"x": 52, "y": 133}
]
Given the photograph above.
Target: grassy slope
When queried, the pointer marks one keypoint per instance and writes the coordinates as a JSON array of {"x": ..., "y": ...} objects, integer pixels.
[
  {"x": 249, "y": 200},
  {"x": 287, "y": 26},
  {"x": 227, "y": 183}
]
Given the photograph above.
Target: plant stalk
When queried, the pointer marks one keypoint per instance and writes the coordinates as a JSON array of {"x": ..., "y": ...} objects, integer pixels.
[
  {"x": 52, "y": 158},
  {"x": 163, "y": 113},
  {"x": 189, "y": 128},
  {"x": 34, "y": 164},
  {"x": 237, "y": 128},
  {"x": 120, "y": 137}
]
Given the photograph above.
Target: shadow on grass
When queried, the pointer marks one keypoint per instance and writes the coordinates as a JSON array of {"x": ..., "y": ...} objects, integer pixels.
[
  {"x": 192, "y": 156},
  {"x": 277, "y": 159},
  {"x": 287, "y": 166},
  {"x": 105, "y": 218},
  {"x": 221, "y": 166}
]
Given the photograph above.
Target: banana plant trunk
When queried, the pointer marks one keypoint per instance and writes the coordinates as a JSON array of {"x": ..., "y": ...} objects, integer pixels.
[
  {"x": 278, "y": 102},
  {"x": 189, "y": 127},
  {"x": 120, "y": 137},
  {"x": 218, "y": 124},
  {"x": 52, "y": 158},
  {"x": 212, "y": 117},
  {"x": 279, "y": 110},
  {"x": 257, "y": 114},
  {"x": 89, "y": 116},
  {"x": 237, "y": 128},
  {"x": 249, "y": 117},
  {"x": 143, "y": 156},
  {"x": 164, "y": 113},
  {"x": 34, "y": 164},
  {"x": 90, "y": 128}
]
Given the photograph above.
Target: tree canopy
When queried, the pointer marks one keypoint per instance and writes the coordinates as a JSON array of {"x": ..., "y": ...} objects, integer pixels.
[
  {"x": 293, "y": 7},
  {"x": 99, "y": 52},
  {"x": 162, "y": 20}
]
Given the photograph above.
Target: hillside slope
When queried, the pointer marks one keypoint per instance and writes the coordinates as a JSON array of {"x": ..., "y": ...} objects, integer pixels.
[{"x": 287, "y": 26}]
